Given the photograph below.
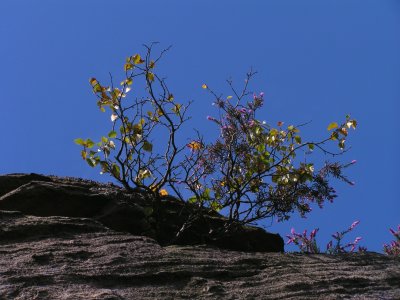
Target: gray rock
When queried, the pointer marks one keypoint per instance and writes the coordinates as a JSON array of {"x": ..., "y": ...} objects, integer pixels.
[
  {"x": 59, "y": 257},
  {"x": 39, "y": 195}
]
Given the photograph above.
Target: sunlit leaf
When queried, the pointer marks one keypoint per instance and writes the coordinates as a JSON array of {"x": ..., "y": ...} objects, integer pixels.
[
  {"x": 204, "y": 86},
  {"x": 229, "y": 97},
  {"x": 79, "y": 141},
  {"x": 129, "y": 81},
  {"x": 311, "y": 147},
  {"x": 137, "y": 59},
  {"x": 113, "y": 117},
  {"x": 93, "y": 81},
  {"x": 297, "y": 139},
  {"x": 128, "y": 66},
  {"x": 115, "y": 170},
  {"x": 89, "y": 143},
  {"x": 176, "y": 109},
  {"x": 194, "y": 145},
  {"x": 151, "y": 64},
  {"x": 150, "y": 76},
  {"x": 333, "y": 125},
  {"x": 112, "y": 134},
  {"x": 170, "y": 97},
  {"x": 163, "y": 192},
  {"x": 83, "y": 154}
]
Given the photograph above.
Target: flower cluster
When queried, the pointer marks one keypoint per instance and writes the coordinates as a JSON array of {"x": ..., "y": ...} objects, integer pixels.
[
  {"x": 309, "y": 245},
  {"x": 394, "y": 247}
]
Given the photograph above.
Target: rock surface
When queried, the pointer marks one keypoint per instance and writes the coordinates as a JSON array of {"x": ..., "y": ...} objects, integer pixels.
[
  {"x": 78, "y": 258},
  {"x": 39, "y": 195},
  {"x": 77, "y": 239}
]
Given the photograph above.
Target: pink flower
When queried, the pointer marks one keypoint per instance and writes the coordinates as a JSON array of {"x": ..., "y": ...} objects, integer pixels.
[
  {"x": 353, "y": 161},
  {"x": 355, "y": 223}
]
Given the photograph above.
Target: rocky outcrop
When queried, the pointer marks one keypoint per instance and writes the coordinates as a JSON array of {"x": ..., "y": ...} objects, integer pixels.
[
  {"x": 45, "y": 196},
  {"x": 77, "y": 258},
  {"x": 69, "y": 238}
]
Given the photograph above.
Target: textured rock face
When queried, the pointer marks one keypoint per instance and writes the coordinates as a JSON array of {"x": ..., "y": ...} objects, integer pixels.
[
  {"x": 78, "y": 258},
  {"x": 44, "y": 196}
]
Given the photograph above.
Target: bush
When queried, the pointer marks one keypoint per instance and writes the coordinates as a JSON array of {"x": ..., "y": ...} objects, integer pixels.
[{"x": 250, "y": 172}]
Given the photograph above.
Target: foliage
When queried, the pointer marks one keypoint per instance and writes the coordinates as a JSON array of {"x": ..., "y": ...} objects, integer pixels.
[
  {"x": 250, "y": 172},
  {"x": 127, "y": 151},
  {"x": 309, "y": 244},
  {"x": 394, "y": 247}
]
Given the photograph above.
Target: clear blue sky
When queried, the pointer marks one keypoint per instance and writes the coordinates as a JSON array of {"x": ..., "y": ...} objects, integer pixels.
[{"x": 317, "y": 60}]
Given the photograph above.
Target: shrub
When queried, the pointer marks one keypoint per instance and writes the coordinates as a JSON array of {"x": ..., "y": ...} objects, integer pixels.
[{"x": 249, "y": 173}]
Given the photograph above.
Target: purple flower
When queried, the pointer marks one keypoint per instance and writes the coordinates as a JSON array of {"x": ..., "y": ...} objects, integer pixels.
[
  {"x": 329, "y": 245},
  {"x": 313, "y": 233},
  {"x": 210, "y": 118},
  {"x": 355, "y": 223},
  {"x": 262, "y": 94},
  {"x": 353, "y": 161}
]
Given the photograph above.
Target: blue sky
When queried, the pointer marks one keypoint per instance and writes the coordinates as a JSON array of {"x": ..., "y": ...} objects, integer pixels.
[{"x": 316, "y": 60}]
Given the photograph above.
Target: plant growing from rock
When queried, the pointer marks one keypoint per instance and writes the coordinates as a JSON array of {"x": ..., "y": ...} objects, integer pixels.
[
  {"x": 308, "y": 244},
  {"x": 251, "y": 171},
  {"x": 394, "y": 247},
  {"x": 152, "y": 116}
]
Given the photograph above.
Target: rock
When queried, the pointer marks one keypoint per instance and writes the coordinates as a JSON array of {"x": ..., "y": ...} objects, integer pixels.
[
  {"x": 44, "y": 196},
  {"x": 59, "y": 257}
]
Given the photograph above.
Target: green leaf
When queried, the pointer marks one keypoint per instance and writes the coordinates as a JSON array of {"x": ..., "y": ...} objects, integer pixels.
[
  {"x": 89, "y": 143},
  {"x": 115, "y": 171},
  {"x": 147, "y": 146},
  {"x": 297, "y": 139},
  {"x": 91, "y": 162},
  {"x": 129, "y": 81},
  {"x": 112, "y": 134},
  {"x": 311, "y": 147},
  {"x": 192, "y": 199},
  {"x": 80, "y": 142},
  {"x": 104, "y": 139},
  {"x": 333, "y": 125}
]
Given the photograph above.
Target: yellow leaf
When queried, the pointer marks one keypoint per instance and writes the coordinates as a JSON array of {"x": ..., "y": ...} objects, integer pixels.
[
  {"x": 229, "y": 97},
  {"x": 128, "y": 66},
  {"x": 93, "y": 81},
  {"x": 194, "y": 145},
  {"x": 151, "y": 64},
  {"x": 333, "y": 125},
  {"x": 129, "y": 81},
  {"x": 204, "y": 86},
  {"x": 150, "y": 76},
  {"x": 136, "y": 59},
  {"x": 163, "y": 192}
]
